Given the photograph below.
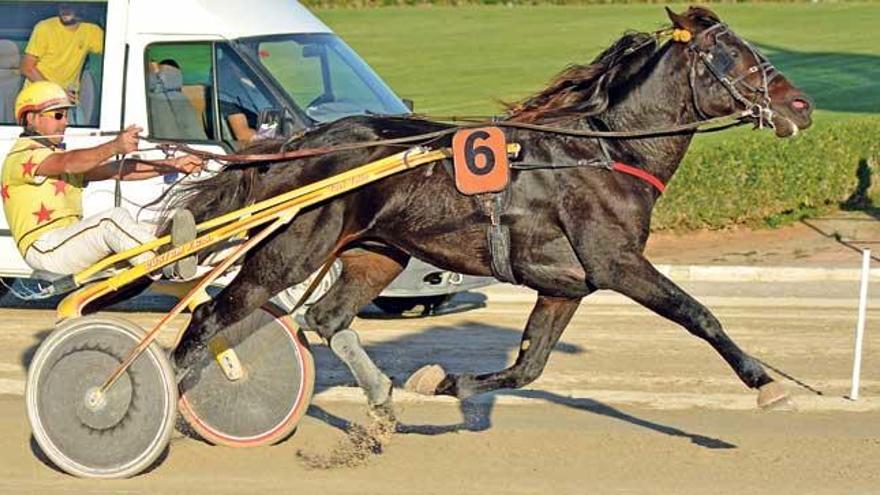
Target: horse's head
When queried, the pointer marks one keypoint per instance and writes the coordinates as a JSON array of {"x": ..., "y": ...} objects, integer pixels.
[{"x": 729, "y": 75}]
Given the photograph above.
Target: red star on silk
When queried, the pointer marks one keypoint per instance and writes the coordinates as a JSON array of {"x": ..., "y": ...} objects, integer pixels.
[
  {"x": 44, "y": 215},
  {"x": 60, "y": 187},
  {"x": 28, "y": 167},
  {"x": 5, "y": 192}
]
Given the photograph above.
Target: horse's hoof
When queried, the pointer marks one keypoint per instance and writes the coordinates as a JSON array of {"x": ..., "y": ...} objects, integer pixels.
[
  {"x": 425, "y": 380},
  {"x": 772, "y": 396},
  {"x": 384, "y": 422},
  {"x": 383, "y": 413}
]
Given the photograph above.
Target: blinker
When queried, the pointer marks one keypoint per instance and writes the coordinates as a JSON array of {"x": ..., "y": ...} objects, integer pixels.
[{"x": 721, "y": 60}]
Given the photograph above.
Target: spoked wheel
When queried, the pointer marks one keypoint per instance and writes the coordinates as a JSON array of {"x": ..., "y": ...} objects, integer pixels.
[
  {"x": 259, "y": 385},
  {"x": 112, "y": 435}
]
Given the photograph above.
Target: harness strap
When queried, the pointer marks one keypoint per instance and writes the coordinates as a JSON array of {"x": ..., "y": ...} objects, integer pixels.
[
  {"x": 641, "y": 174},
  {"x": 497, "y": 235}
]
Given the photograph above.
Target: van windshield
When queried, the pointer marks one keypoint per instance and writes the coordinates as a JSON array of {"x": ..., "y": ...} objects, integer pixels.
[{"x": 323, "y": 76}]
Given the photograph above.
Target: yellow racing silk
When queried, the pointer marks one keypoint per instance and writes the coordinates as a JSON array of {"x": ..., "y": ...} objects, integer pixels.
[
  {"x": 37, "y": 204},
  {"x": 61, "y": 52}
]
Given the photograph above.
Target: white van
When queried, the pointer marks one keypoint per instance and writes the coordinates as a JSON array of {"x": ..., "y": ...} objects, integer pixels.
[{"x": 195, "y": 71}]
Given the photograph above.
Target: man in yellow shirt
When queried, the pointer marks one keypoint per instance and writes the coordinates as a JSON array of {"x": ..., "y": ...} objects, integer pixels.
[
  {"x": 42, "y": 190},
  {"x": 58, "y": 48}
]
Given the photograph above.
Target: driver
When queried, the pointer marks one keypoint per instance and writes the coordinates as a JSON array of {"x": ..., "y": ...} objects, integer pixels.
[{"x": 42, "y": 191}]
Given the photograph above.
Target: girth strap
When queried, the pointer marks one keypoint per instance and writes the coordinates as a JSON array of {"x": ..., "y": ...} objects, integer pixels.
[{"x": 497, "y": 235}]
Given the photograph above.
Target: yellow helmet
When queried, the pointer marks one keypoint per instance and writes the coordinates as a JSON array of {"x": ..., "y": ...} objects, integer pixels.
[{"x": 40, "y": 96}]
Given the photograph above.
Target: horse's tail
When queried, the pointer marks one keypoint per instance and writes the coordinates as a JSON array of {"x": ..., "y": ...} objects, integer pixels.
[
  {"x": 226, "y": 191},
  {"x": 231, "y": 188}
]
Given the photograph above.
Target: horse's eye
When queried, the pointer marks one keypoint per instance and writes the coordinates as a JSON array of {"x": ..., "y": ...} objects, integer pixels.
[{"x": 734, "y": 54}]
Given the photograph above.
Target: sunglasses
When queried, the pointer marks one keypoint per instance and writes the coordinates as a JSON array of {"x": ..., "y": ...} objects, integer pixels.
[{"x": 58, "y": 115}]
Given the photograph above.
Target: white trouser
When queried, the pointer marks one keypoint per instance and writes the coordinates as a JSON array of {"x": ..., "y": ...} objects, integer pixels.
[{"x": 74, "y": 248}]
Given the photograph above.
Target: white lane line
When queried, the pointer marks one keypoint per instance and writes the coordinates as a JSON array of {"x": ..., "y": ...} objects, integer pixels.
[
  {"x": 613, "y": 299},
  {"x": 11, "y": 386}
]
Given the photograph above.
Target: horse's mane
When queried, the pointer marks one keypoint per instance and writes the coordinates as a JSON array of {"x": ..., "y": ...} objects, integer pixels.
[{"x": 583, "y": 90}]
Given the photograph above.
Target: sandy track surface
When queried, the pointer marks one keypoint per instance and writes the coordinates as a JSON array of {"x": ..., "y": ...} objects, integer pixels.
[{"x": 629, "y": 403}]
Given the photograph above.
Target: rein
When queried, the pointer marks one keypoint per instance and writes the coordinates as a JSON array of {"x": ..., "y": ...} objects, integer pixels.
[{"x": 721, "y": 123}]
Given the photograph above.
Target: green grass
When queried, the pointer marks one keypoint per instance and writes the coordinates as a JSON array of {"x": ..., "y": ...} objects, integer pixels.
[{"x": 463, "y": 59}]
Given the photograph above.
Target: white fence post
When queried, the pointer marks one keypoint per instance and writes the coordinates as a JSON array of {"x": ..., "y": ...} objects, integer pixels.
[{"x": 860, "y": 326}]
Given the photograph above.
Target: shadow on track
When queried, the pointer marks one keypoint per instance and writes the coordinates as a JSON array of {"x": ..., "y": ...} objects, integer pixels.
[{"x": 469, "y": 347}]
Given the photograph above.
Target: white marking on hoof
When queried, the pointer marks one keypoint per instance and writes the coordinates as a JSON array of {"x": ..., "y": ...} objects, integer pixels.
[{"x": 425, "y": 380}]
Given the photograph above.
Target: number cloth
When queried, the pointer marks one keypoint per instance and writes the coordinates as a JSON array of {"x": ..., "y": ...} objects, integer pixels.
[{"x": 480, "y": 160}]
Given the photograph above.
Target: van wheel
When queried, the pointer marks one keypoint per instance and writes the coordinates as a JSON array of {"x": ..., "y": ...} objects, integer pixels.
[
  {"x": 401, "y": 306},
  {"x": 5, "y": 285}
]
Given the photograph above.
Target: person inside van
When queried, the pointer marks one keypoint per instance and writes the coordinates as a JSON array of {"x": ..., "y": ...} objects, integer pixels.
[
  {"x": 42, "y": 191},
  {"x": 240, "y": 102},
  {"x": 240, "y": 117},
  {"x": 58, "y": 48}
]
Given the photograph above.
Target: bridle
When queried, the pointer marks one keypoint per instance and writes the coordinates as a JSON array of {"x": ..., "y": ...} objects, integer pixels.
[{"x": 719, "y": 61}]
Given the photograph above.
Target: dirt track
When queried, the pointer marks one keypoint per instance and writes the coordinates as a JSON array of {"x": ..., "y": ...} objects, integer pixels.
[{"x": 629, "y": 403}]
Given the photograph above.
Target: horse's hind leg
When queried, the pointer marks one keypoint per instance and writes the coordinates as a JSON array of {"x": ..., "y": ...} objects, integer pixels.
[
  {"x": 364, "y": 274},
  {"x": 634, "y": 276},
  {"x": 549, "y": 318},
  {"x": 267, "y": 270}
]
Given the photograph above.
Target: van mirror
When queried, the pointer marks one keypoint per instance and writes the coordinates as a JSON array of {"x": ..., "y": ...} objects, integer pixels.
[
  {"x": 312, "y": 51},
  {"x": 408, "y": 103}
]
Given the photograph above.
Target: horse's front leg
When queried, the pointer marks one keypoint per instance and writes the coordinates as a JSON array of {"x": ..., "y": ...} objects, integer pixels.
[
  {"x": 549, "y": 318},
  {"x": 635, "y": 277},
  {"x": 365, "y": 273}
]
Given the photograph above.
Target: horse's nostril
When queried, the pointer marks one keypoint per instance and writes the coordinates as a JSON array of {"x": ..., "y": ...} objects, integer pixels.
[{"x": 800, "y": 104}]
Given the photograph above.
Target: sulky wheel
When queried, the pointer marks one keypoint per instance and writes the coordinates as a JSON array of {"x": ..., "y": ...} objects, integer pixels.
[
  {"x": 259, "y": 385},
  {"x": 114, "y": 435}
]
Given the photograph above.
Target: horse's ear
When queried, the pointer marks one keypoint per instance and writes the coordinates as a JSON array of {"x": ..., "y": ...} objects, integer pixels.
[{"x": 680, "y": 21}]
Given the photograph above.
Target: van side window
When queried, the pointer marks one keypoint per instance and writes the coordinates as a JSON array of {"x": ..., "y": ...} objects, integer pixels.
[
  {"x": 32, "y": 32},
  {"x": 179, "y": 91}
]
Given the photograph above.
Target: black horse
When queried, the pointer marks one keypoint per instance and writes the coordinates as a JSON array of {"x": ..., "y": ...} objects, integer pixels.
[{"x": 574, "y": 228}]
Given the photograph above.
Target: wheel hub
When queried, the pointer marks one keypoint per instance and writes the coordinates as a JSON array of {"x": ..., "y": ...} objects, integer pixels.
[{"x": 104, "y": 410}]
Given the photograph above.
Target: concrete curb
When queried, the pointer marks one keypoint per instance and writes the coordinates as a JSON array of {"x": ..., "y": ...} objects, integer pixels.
[
  {"x": 713, "y": 273},
  {"x": 724, "y": 274}
]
